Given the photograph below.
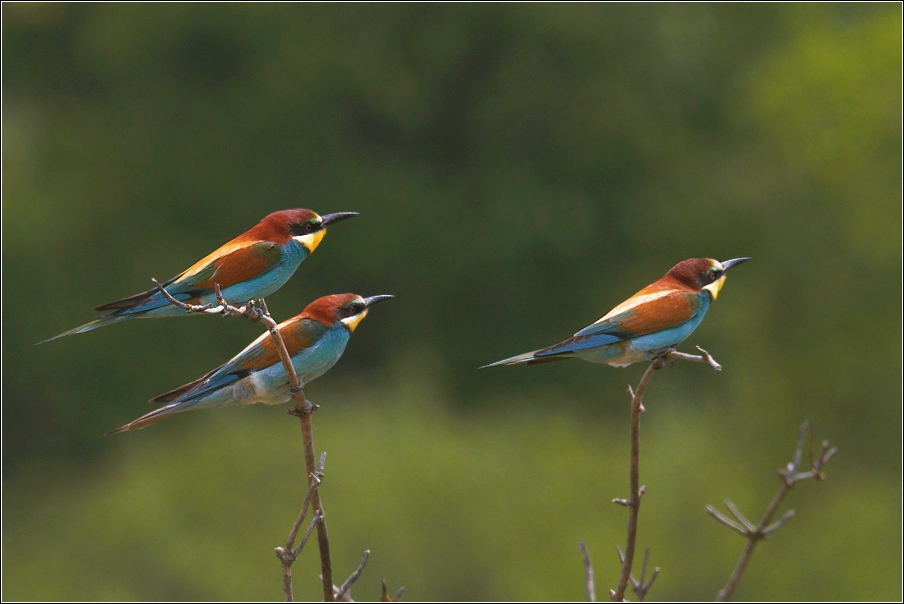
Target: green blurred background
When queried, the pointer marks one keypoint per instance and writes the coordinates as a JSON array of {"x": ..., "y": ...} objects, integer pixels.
[{"x": 519, "y": 170}]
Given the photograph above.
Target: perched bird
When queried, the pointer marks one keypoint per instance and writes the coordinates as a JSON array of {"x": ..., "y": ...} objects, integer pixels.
[
  {"x": 315, "y": 340},
  {"x": 253, "y": 265},
  {"x": 658, "y": 317}
]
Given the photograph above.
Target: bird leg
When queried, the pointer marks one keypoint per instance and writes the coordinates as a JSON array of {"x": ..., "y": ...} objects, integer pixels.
[
  {"x": 665, "y": 358},
  {"x": 311, "y": 408}
]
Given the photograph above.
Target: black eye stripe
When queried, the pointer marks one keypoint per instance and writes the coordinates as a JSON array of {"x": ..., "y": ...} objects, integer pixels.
[{"x": 305, "y": 228}]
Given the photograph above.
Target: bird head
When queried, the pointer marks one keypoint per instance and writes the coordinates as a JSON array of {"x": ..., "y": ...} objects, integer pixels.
[
  {"x": 704, "y": 273},
  {"x": 348, "y": 309},
  {"x": 304, "y": 226}
]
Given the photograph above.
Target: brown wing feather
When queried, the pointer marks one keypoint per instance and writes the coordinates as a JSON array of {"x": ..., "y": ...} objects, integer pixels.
[
  {"x": 242, "y": 264},
  {"x": 658, "y": 314}
]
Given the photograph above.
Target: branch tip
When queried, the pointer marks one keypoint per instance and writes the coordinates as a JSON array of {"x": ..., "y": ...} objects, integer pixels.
[
  {"x": 790, "y": 476},
  {"x": 588, "y": 572},
  {"x": 344, "y": 590}
]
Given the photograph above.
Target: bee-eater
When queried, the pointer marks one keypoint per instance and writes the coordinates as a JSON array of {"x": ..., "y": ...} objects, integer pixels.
[
  {"x": 315, "y": 340},
  {"x": 658, "y": 317},
  {"x": 253, "y": 265}
]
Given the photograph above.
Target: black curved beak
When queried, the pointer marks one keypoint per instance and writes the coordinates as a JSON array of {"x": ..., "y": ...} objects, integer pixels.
[
  {"x": 331, "y": 218},
  {"x": 728, "y": 264},
  {"x": 368, "y": 302}
]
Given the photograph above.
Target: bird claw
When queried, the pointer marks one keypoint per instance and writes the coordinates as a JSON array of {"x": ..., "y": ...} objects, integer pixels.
[{"x": 311, "y": 408}]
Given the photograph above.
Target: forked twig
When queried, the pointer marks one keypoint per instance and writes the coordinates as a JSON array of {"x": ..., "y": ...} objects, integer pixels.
[
  {"x": 790, "y": 476},
  {"x": 286, "y": 554},
  {"x": 641, "y": 586},
  {"x": 303, "y": 409},
  {"x": 637, "y": 491}
]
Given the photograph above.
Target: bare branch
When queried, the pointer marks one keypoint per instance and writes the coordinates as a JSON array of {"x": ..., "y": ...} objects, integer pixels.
[
  {"x": 190, "y": 308},
  {"x": 317, "y": 479},
  {"x": 738, "y": 515},
  {"x": 588, "y": 572},
  {"x": 633, "y": 502},
  {"x": 307, "y": 534},
  {"x": 724, "y": 520},
  {"x": 704, "y": 357},
  {"x": 303, "y": 409},
  {"x": 344, "y": 590},
  {"x": 790, "y": 476},
  {"x": 777, "y": 524},
  {"x": 641, "y": 587},
  {"x": 288, "y": 556}
]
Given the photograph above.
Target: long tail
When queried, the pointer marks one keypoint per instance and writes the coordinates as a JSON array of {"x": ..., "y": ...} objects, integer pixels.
[
  {"x": 528, "y": 357},
  {"x": 99, "y": 322},
  {"x": 155, "y": 416},
  {"x": 132, "y": 307}
]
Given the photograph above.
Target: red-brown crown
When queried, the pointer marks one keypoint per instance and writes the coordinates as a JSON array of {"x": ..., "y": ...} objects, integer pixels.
[
  {"x": 324, "y": 310},
  {"x": 277, "y": 226},
  {"x": 692, "y": 273}
]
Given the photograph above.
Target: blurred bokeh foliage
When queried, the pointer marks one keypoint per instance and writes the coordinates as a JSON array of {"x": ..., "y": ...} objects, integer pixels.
[{"x": 519, "y": 170}]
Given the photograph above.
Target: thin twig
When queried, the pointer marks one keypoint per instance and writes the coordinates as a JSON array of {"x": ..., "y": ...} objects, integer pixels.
[
  {"x": 384, "y": 593},
  {"x": 738, "y": 515},
  {"x": 633, "y": 502},
  {"x": 642, "y": 586},
  {"x": 790, "y": 476},
  {"x": 588, "y": 572},
  {"x": 315, "y": 521},
  {"x": 318, "y": 478},
  {"x": 303, "y": 410},
  {"x": 343, "y": 594},
  {"x": 725, "y": 520},
  {"x": 286, "y": 554}
]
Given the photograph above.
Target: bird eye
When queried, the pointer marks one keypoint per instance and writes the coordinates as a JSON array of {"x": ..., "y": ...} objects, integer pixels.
[{"x": 308, "y": 227}]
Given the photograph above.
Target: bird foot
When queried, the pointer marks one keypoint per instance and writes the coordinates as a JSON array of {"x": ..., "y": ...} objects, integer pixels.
[
  {"x": 664, "y": 358},
  {"x": 311, "y": 408}
]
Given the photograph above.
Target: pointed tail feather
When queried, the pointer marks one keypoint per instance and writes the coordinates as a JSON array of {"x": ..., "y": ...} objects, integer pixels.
[
  {"x": 153, "y": 417},
  {"x": 528, "y": 357},
  {"x": 99, "y": 322},
  {"x": 181, "y": 391}
]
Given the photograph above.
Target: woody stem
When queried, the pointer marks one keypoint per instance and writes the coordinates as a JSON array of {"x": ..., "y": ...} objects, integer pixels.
[
  {"x": 304, "y": 409},
  {"x": 633, "y": 503}
]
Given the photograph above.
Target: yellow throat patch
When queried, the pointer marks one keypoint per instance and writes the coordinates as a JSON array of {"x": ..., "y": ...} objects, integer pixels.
[
  {"x": 311, "y": 241},
  {"x": 352, "y": 322},
  {"x": 715, "y": 286}
]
